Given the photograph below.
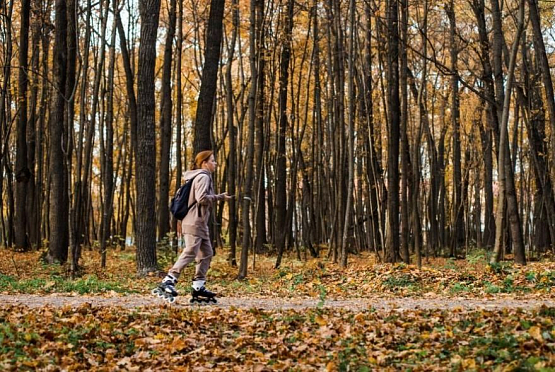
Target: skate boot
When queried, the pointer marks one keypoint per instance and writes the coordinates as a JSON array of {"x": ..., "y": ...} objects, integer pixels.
[
  {"x": 201, "y": 295},
  {"x": 166, "y": 289}
]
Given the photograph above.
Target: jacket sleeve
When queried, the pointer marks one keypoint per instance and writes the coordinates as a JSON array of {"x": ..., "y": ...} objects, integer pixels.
[{"x": 203, "y": 190}]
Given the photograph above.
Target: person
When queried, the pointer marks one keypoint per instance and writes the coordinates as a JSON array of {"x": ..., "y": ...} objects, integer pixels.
[{"x": 194, "y": 228}]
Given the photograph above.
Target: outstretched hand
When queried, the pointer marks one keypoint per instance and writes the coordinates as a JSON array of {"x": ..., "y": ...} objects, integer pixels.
[{"x": 228, "y": 197}]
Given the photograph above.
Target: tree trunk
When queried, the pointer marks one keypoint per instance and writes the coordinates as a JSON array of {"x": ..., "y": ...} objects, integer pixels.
[
  {"x": 260, "y": 236},
  {"x": 57, "y": 249},
  {"x": 458, "y": 216},
  {"x": 166, "y": 129},
  {"x": 179, "y": 115},
  {"x": 145, "y": 155},
  {"x": 22, "y": 172},
  {"x": 32, "y": 133},
  {"x": 478, "y": 6},
  {"x": 232, "y": 165},
  {"x": 347, "y": 232},
  {"x": 394, "y": 117},
  {"x": 207, "y": 95},
  {"x": 506, "y": 180},
  {"x": 281, "y": 163},
  {"x": 109, "y": 154},
  {"x": 69, "y": 131},
  {"x": 247, "y": 190},
  {"x": 405, "y": 152}
]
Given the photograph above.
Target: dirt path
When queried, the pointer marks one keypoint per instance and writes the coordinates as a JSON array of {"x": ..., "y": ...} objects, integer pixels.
[{"x": 378, "y": 303}]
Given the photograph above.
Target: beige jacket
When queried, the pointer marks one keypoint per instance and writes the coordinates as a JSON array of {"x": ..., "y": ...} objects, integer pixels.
[{"x": 202, "y": 191}]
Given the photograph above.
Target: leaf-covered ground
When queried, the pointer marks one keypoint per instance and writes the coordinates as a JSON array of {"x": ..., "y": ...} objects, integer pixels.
[
  {"x": 314, "y": 278},
  {"x": 118, "y": 339},
  {"x": 451, "y": 315}
]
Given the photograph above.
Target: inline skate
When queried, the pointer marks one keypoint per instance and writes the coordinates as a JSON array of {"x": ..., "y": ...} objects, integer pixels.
[
  {"x": 166, "y": 289},
  {"x": 200, "y": 295}
]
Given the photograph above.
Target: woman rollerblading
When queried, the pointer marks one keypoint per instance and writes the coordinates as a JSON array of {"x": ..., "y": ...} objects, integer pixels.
[{"x": 194, "y": 227}]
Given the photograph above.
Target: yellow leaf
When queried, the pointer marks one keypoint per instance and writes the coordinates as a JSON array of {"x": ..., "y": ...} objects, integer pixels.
[
  {"x": 536, "y": 333},
  {"x": 359, "y": 317},
  {"x": 331, "y": 366},
  {"x": 110, "y": 353},
  {"x": 30, "y": 363},
  {"x": 178, "y": 344},
  {"x": 511, "y": 366},
  {"x": 321, "y": 321},
  {"x": 469, "y": 364}
]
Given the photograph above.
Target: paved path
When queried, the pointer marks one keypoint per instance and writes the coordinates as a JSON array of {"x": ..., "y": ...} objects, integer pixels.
[{"x": 378, "y": 303}]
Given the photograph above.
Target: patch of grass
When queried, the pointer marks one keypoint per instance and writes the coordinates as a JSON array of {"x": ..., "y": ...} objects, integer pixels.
[
  {"x": 506, "y": 286},
  {"x": 296, "y": 280},
  {"x": 400, "y": 281},
  {"x": 545, "y": 280},
  {"x": 15, "y": 343},
  {"x": 477, "y": 256},
  {"x": 460, "y": 288},
  {"x": 450, "y": 264},
  {"x": 86, "y": 285},
  {"x": 351, "y": 356},
  {"x": 501, "y": 267}
]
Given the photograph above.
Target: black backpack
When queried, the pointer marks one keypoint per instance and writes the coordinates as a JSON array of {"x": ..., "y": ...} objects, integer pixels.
[{"x": 179, "y": 205}]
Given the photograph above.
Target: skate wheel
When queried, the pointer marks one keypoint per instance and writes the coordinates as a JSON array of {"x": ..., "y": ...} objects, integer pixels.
[
  {"x": 155, "y": 291},
  {"x": 170, "y": 299}
]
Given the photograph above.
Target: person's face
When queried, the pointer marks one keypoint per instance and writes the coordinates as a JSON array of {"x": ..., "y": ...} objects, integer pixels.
[{"x": 210, "y": 164}]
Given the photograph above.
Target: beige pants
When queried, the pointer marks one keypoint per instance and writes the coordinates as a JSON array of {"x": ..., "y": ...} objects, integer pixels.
[{"x": 196, "y": 249}]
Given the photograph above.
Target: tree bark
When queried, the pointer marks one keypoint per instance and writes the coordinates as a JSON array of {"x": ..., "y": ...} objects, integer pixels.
[
  {"x": 22, "y": 172},
  {"x": 347, "y": 232},
  {"x": 179, "y": 113},
  {"x": 506, "y": 180},
  {"x": 166, "y": 129},
  {"x": 207, "y": 95},
  {"x": 247, "y": 196},
  {"x": 260, "y": 133},
  {"x": 145, "y": 155},
  {"x": 57, "y": 249},
  {"x": 33, "y": 198},
  {"x": 232, "y": 165},
  {"x": 478, "y": 6},
  {"x": 458, "y": 217},
  {"x": 404, "y": 142},
  {"x": 69, "y": 131},
  {"x": 394, "y": 117},
  {"x": 281, "y": 163},
  {"x": 109, "y": 154}
]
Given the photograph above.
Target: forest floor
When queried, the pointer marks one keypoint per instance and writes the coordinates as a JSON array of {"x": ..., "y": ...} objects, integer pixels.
[{"x": 307, "y": 315}]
